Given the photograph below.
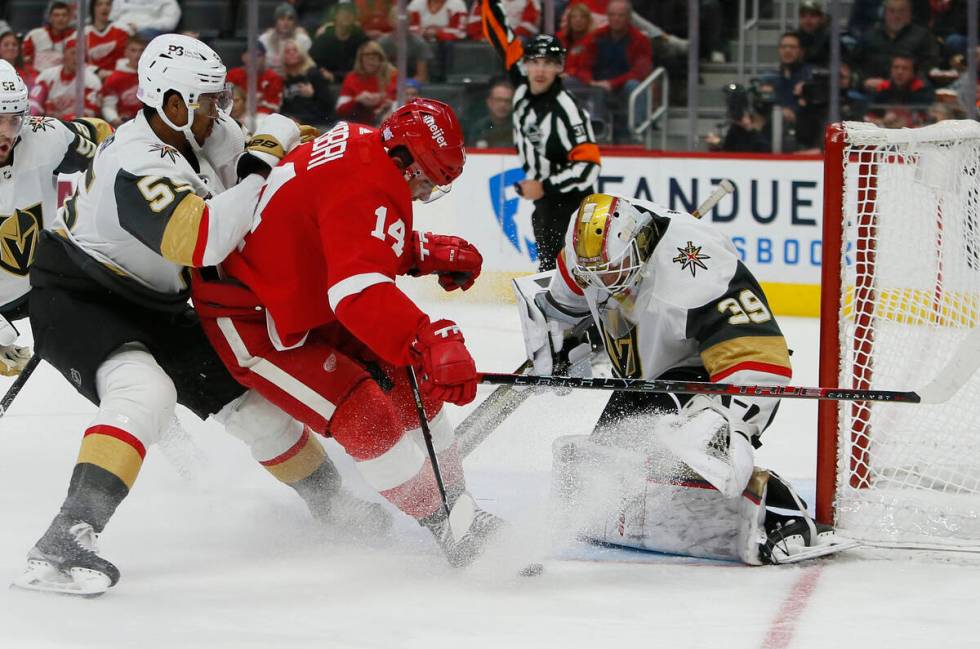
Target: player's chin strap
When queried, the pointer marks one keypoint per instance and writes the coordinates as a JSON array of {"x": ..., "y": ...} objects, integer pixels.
[{"x": 185, "y": 129}]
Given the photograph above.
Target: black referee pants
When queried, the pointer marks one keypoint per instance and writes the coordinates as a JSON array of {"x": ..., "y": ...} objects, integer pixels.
[{"x": 550, "y": 221}]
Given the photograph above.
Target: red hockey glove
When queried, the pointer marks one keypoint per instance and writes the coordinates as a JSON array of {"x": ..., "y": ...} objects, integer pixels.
[
  {"x": 448, "y": 370},
  {"x": 455, "y": 260}
]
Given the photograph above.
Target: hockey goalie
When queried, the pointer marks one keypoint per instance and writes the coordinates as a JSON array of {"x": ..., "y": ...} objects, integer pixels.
[{"x": 667, "y": 472}]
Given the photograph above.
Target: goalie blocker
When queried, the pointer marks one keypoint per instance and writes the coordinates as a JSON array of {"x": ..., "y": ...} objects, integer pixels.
[{"x": 672, "y": 301}]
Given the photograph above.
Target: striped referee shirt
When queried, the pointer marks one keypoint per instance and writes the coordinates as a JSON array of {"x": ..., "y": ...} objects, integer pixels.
[{"x": 553, "y": 134}]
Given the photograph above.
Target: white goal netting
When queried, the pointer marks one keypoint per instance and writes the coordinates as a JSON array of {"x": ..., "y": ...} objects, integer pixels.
[{"x": 909, "y": 475}]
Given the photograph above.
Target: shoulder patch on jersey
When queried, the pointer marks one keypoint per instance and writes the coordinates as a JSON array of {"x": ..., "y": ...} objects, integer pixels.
[
  {"x": 165, "y": 151},
  {"x": 691, "y": 258},
  {"x": 40, "y": 123}
]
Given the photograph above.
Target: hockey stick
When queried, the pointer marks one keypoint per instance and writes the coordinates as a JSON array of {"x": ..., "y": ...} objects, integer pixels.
[
  {"x": 427, "y": 436},
  {"x": 949, "y": 379},
  {"x": 18, "y": 384},
  {"x": 486, "y": 417},
  {"x": 724, "y": 189}
]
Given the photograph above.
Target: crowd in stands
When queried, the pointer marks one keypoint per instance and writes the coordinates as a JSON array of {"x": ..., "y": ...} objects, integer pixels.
[
  {"x": 903, "y": 64},
  {"x": 322, "y": 60}
]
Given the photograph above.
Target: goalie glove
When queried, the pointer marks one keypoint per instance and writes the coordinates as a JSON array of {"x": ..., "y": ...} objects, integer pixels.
[
  {"x": 456, "y": 261},
  {"x": 275, "y": 136},
  {"x": 13, "y": 359},
  {"x": 713, "y": 442},
  {"x": 554, "y": 336}
]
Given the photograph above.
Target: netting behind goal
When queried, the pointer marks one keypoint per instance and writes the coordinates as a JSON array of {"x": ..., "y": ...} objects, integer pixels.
[{"x": 901, "y": 289}]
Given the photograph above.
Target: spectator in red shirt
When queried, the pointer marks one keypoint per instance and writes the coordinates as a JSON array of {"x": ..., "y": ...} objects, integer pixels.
[
  {"x": 54, "y": 92},
  {"x": 45, "y": 46},
  {"x": 105, "y": 42},
  {"x": 369, "y": 90},
  {"x": 573, "y": 37},
  {"x": 373, "y": 15},
  {"x": 119, "y": 102},
  {"x": 10, "y": 52},
  {"x": 619, "y": 57},
  {"x": 269, "y": 86}
]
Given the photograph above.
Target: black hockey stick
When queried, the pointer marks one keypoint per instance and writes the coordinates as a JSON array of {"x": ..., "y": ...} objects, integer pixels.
[
  {"x": 933, "y": 392},
  {"x": 18, "y": 384},
  {"x": 427, "y": 436},
  {"x": 487, "y": 416}
]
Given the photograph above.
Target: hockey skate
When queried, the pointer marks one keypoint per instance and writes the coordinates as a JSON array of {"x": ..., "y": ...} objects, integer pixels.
[
  {"x": 65, "y": 560},
  {"x": 467, "y": 532},
  {"x": 794, "y": 539},
  {"x": 344, "y": 512}
]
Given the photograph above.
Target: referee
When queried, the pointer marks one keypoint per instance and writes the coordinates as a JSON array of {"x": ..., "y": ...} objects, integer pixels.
[{"x": 552, "y": 132}]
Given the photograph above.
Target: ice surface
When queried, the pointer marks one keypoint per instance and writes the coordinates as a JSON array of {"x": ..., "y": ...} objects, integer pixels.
[{"x": 214, "y": 553}]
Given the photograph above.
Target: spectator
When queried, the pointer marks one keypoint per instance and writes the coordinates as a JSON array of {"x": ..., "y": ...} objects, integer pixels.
[
  {"x": 787, "y": 81},
  {"x": 44, "y": 46},
  {"x": 105, "y": 41},
  {"x": 418, "y": 51},
  {"x": 949, "y": 22},
  {"x": 813, "y": 113},
  {"x": 335, "y": 48},
  {"x": 962, "y": 85},
  {"x": 438, "y": 20},
  {"x": 154, "y": 17},
  {"x": 375, "y": 17},
  {"x": 941, "y": 111},
  {"x": 269, "y": 85},
  {"x": 275, "y": 37},
  {"x": 865, "y": 15},
  {"x": 306, "y": 94},
  {"x": 54, "y": 92},
  {"x": 369, "y": 90},
  {"x": 495, "y": 130},
  {"x": 896, "y": 34},
  {"x": 598, "y": 9},
  {"x": 619, "y": 58},
  {"x": 578, "y": 26},
  {"x": 523, "y": 15},
  {"x": 748, "y": 129},
  {"x": 312, "y": 14},
  {"x": 10, "y": 52},
  {"x": 119, "y": 102},
  {"x": 903, "y": 86},
  {"x": 813, "y": 33}
]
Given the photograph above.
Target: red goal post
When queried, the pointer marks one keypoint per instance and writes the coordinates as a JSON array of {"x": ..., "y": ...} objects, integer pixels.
[{"x": 900, "y": 288}]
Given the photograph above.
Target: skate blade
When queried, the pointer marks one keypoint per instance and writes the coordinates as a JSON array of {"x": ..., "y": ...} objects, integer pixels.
[
  {"x": 817, "y": 551},
  {"x": 42, "y": 577}
]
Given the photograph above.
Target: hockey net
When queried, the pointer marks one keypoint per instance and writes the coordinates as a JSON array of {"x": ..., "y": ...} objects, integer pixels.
[{"x": 901, "y": 289}]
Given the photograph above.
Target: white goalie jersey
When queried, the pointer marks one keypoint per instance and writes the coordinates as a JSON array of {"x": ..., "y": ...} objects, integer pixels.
[
  {"x": 146, "y": 213},
  {"x": 29, "y": 194}
]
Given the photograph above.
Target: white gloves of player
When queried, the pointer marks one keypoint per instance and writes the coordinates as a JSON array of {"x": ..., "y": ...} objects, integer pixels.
[
  {"x": 275, "y": 136},
  {"x": 546, "y": 338},
  {"x": 713, "y": 443}
]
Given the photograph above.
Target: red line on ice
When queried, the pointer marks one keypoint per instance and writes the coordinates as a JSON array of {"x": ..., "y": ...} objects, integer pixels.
[{"x": 784, "y": 623}]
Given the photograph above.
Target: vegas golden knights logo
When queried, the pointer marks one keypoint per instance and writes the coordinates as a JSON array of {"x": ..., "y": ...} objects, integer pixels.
[
  {"x": 19, "y": 233},
  {"x": 624, "y": 354}
]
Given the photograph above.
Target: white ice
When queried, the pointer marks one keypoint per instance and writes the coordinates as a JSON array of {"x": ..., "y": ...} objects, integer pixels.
[{"x": 214, "y": 553}]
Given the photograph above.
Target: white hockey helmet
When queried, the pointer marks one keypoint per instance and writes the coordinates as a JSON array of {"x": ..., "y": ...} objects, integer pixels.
[
  {"x": 611, "y": 240},
  {"x": 13, "y": 92},
  {"x": 186, "y": 66}
]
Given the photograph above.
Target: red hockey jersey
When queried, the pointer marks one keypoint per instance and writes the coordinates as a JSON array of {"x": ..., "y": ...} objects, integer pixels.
[
  {"x": 269, "y": 88},
  {"x": 334, "y": 229},
  {"x": 104, "y": 48}
]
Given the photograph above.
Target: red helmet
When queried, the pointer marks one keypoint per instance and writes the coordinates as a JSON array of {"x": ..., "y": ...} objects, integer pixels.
[{"x": 430, "y": 131}]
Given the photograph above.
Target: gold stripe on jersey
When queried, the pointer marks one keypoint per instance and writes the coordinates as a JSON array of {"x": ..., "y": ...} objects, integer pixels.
[
  {"x": 299, "y": 462},
  {"x": 183, "y": 228},
  {"x": 767, "y": 350},
  {"x": 112, "y": 454}
]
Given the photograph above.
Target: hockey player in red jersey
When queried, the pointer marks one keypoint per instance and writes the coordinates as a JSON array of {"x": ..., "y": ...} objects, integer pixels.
[{"x": 310, "y": 317}]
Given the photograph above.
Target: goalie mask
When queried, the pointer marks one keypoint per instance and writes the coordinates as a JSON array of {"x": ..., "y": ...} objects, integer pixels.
[
  {"x": 188, "y": 67},
  {"x": 612, "y": 240},
  {"x": 13, "y": 102}
]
